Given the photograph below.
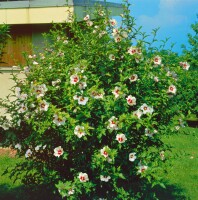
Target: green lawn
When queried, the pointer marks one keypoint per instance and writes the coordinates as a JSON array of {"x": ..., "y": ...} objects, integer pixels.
[{"x": 181, "y": 178}]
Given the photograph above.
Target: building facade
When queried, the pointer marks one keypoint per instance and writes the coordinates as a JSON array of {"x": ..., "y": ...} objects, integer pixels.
[{"x": 28, "y": 20}]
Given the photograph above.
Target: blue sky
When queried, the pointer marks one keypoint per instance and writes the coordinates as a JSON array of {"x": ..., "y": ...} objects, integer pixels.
[{"x": 174, "y": 17}]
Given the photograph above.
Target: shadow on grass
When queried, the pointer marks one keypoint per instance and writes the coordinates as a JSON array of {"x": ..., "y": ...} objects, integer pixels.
[
  {"x": 172, "y": 192},
  {"x": 22, "y": 193}
]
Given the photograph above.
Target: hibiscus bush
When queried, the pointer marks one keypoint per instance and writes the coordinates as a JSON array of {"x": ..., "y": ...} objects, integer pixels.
[{"x": 89, "y": 114}]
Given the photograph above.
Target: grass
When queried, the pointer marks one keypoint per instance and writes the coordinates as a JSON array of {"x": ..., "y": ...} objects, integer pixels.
[{"x": 181, "y": 178}]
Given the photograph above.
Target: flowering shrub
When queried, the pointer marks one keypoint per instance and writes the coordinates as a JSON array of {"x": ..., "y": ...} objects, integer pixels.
[{"x": 90, "y": 113}]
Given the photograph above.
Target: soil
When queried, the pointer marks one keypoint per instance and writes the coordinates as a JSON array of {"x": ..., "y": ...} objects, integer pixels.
[{"x": 7, "y": 152}]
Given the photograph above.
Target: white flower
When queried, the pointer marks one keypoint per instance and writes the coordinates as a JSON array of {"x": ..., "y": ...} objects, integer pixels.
[
  {"x": 44, "y": 146},
  {"x": 35, "y": 63},
  {"x": 104, "y": 151},
  {"x": 121, "y": 138},
  {"x": 146, "y": 109},
  {"x": 28, "y": 153},
  {"x": 58, "y": 151},
  {"x": 142, "y": 168},
  {"x": 23, "y": 108},
  {"x": 113, "y": 123},
  {"x": 115, "y": 32},
  {"x": 87, "y": 17},
  {"x": 97, "y": 95},
  {"x": 105, "y": 178},
  {"x": 18, "y": 92},
  {"x": 177, "y": 127},
  {"x": 40, "y": 90},
  {"x": 37, "y": 147},
  {"x": 71, "y": 191},
  {"x": 132, "y": 157},
  {"x": 113, "y": 22},
  {"x": 133, "y": 77},
  {"x": 44, "y": 106},
  {"x": 74, "y": 79},
  {"x": 172, "y": 89},
  {"x": 111, "y": 57},
  {"x": 162, "y": 156},
  {"x": 156, "y": 79},
  {"x": 124, "y": 34},
  {"x": 58, "y": 120},
  {"x": 117, "y": 38},
  {"x": 116, "y": 91},
  {"x": 82, "y": 100},
  {"x": 185, "y": 65},
  {"x": 138, "y": 113},
  {"x": 18, "y": 146},
  {"x": 139, "y": 51},
  {"x": 89, "y": 23},
  {"x": 83, "y": 177},
  {"x": 149, "y": 133},
  {"x": 157, "y": 60},
  {"x": 132, "y": 50},
  {"x": 131, "y": 100},
  {"x": 79, "y": 131},
  {"x": 82, "y": 85}
]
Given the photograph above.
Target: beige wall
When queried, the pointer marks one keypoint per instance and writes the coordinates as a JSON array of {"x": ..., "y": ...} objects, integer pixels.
[
  {"x": 5, "y": 85},
  {"x": 35, "y": 15}
]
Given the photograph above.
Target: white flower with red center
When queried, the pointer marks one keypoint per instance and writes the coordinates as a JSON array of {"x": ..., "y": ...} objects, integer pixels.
[
  {"x": 138, "y": 113},
  {"x": 111, "y": 57},
  {"x": 185, "y": 65},
  {"x": 58, "y": 151},
  {"x": 115, "y": 32},
  {"x": 104, "y": 151},
  {"x": 83, "y": 177},
  {"x": 79, "y": 131},
  {"x": 74, "y": 79},
  {"x": 162, "y": 156},
  {"x": 142, "y": 168},
  {"x": 132, "y": 157},
  {"x": 172, "y": 89},
  {"x": 28, "y": 153},
  {"x": 82, "y": 85},
  {"x": 131, "y": 100},
  {"x": 87, "y": 17},
  {"x": 113, "y": 123},
  {"x": 116, "y": 91},
  {"x": 89, "y": 23},
  {"x": 23, "y": 108},
  {"x": 146, "y": 109},
  {"x": 117, "y": 38},
  {"x": 132, "y": 50},
  {"x": 157, "y": 60},
  {"x": 121, "y": 138},
  {"x": 133, "y": 78},
  {"x": 105, "y": 178},
  {"x": 58, "y": 120},
  {"x": 82, "y": 100},
  {"x": 40, "y": 90},
  {"x": 113, "y": 22},
  {"x": 43, "y": 106},
  {"x": 149, "y": 133},
  {"x": 97, "y": 95}
]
